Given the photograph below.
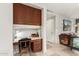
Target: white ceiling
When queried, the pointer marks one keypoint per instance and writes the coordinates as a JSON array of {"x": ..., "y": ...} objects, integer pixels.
[{"x": 65, "y": 9}]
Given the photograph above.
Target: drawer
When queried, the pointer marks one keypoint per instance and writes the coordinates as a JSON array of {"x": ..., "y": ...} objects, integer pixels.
[
  {"x": 37, "y": 40},
  {"x": 35, "y": 49},
  {"x": 38, "y": 45}
]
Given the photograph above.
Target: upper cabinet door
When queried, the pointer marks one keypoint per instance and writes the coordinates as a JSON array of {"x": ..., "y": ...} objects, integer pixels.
[
  {"x": 18, "y": 13},
  {"x": 26, "y": 15},
  {"x": 36, "y": 17}
]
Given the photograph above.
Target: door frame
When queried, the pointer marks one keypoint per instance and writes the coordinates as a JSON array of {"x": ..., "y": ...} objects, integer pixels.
[{"x": 49, "y": 11}]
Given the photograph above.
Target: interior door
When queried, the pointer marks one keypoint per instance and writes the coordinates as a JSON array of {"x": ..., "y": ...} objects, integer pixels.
[{"x": 51, "y": 29}]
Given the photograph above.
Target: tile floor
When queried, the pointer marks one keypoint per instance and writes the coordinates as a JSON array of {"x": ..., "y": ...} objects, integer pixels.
[
  {"x": 53, "y": 50},
  {"x": 59, "y": 50}
]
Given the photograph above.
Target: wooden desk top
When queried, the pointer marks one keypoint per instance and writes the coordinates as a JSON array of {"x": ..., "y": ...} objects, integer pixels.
[{"x": 16, "y": 43}]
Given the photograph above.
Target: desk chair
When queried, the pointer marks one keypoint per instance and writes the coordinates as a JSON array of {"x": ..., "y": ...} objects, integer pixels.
[{"x": 25, "y": 44}]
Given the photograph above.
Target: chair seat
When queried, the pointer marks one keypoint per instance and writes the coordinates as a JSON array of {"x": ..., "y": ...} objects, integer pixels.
[{"x": 25, "y": 47}]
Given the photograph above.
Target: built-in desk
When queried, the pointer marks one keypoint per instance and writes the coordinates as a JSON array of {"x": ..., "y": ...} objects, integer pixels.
[{"x": 36, "y": 45}]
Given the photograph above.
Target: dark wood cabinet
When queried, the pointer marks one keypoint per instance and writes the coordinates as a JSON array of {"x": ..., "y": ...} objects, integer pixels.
[
  {"x": 65, "y": 39},
  {"x": 69, "y": 40},
  {"x": 18, "y": 14},
  {"x": 23, "y": 14},
  {"x": 36, "y": 17},
  {"x": 36, "y": 45}
]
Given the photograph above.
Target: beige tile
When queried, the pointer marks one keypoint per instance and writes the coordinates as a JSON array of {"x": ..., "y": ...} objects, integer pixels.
[{"x": 53, "y": 50}]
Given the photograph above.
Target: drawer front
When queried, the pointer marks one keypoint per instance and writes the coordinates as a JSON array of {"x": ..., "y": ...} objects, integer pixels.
[
  {"x": 36, "y": 49},
  {"x": 37, "y": 45},
  {"x": 37, "y": 40}
]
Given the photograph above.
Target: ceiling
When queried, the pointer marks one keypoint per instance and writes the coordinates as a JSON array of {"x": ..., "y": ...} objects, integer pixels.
[{"x": 64, "y": 9}]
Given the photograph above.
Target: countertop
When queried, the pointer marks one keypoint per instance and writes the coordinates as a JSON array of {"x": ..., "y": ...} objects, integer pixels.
[{"x": 32, "y": 38}]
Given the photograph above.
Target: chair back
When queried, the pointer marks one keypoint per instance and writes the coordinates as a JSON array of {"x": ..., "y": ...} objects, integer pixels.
[{"x": 24, "y": 43}]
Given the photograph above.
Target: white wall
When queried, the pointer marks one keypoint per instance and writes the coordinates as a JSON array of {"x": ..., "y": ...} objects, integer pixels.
[
  {"x": 6, "y": 18},
  {"x": 58, "y": 27},
  {"x": 28, "y": 32},
  {"x": 43, "y": 29}
]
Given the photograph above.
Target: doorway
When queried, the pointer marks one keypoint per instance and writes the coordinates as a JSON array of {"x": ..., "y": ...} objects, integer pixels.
[{"x": 50, "y": 29}]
